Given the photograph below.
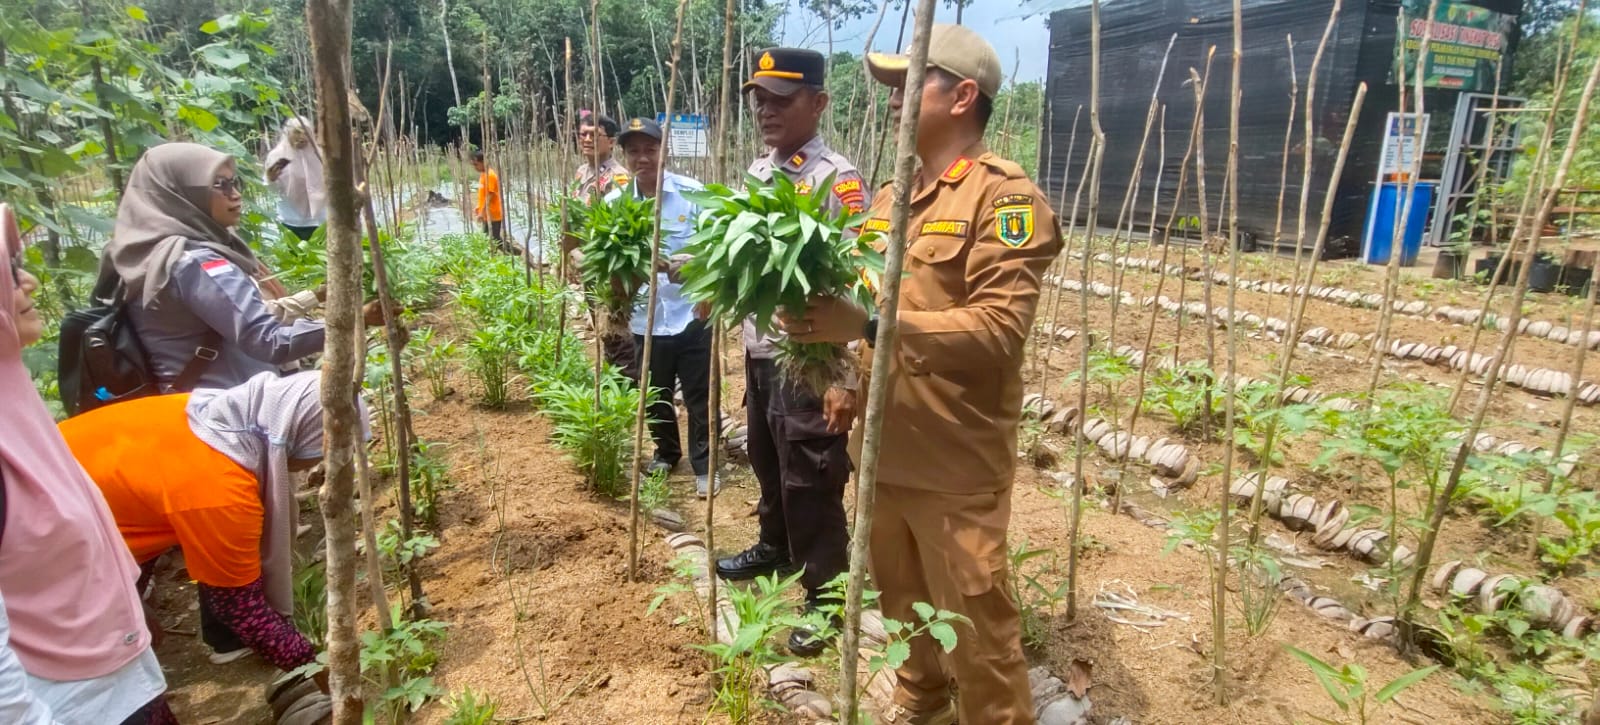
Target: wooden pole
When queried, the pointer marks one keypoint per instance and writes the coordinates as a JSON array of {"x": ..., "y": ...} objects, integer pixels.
[
  {"x": 329, "y": 24},
  {"x": 650, "y": 308},
  {"x": 1219, "y": 607},
  {"x": 882, "y": 360}
]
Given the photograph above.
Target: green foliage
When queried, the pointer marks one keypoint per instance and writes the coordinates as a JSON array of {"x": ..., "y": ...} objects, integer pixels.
[
  {"x": 1032, "y": 595},
  {"x": 1347, "y": 686},
  {"x": 1179, "y": 393},
  {"x": 654, "y": 493},
  {"x": 311, "y": 602},
  {"x": 398, "y": 551},
  {"x": 470, "y": 707},
  {"x": 597, "y": 436},
  {"x": 616, "y": 239},
  {"x": 430, "y": 474},
  {"x": 768, "y": 247},
  {"x": 431, "y": 358},
  {"x": 491, "y": 356},
  {"x": 764, "y": 610},
  {"x": 404, "y": 657}
]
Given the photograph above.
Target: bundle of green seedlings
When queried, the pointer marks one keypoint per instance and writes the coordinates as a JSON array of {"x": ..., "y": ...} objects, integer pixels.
[
  {"x": 616, "y": 239},
  {"x": 770, "y": 247}
]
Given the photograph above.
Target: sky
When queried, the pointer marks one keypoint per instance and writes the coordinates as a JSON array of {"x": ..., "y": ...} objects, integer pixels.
[{"x": 1023, "y": 43}]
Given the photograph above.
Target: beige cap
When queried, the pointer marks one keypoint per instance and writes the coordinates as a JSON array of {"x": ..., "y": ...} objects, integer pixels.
[{"x": 952, "y": 48}]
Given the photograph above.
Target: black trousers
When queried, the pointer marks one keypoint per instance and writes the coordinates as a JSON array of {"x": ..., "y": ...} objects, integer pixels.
[
  {"x": 497, "y": 232},
  {"x": 213, "y": 632},
  {"x": 803, "y": 470},
  {"x": 680, "y": 362}
]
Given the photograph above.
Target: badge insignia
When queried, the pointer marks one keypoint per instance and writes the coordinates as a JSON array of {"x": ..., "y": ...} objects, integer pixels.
[
  {"x": 850, "y": 194},
  {"x": 767, "y": 62},
  {"x": 620, "y": 179},
  {"x": 803, "y": 187},
  {"x": 635, "y": 125},
  {"x": 959, "y": 168},
  {"x": 945, "y": 227},
  {"x": 797, "y": 160},
  {"x": 1014, "y": 224},
  {"x": 1013, "y": 200}
]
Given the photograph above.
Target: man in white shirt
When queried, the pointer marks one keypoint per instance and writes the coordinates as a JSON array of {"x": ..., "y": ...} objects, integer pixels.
[{"x": 680, "y": 354}]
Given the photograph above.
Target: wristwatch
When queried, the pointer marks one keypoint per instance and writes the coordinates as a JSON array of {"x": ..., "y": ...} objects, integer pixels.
[{"x": 869, "y": 330}]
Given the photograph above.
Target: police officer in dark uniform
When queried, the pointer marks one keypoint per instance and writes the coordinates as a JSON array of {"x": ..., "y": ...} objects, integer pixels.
[{"x": 798, "y": 438}]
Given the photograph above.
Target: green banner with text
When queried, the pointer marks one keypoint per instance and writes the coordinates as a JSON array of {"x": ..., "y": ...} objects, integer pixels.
[{"x": 1465, "y": 44}]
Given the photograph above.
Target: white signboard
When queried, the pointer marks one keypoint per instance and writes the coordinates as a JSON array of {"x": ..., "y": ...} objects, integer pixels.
[
  {"x": 687, "y": 136},
  {"x": 1403, "y": 137}
]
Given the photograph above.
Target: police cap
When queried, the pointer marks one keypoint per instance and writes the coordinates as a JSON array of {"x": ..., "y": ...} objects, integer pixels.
[{"x": 786, "y": 70}]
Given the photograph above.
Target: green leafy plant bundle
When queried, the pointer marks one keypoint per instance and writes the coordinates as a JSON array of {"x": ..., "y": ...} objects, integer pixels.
[
  {"x": 770, "y": 247},
  {"x": 616, "y": 239}
]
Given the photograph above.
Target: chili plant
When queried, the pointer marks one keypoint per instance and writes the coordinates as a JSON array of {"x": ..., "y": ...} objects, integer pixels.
[
  {"x": 1347, "y": 685},
  {"x": 598, "y": 436},
  {"x": 770, "y": 247},
  {"x": 431, "y": 356}
]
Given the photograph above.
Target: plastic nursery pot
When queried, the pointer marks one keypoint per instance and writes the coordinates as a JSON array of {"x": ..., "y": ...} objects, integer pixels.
[
  {"x": 1543, "y": 274},
  {"x": 1450, "y": 264},
  {"x": 1576, "y": 280},
  {"x": 1484, "y": 268}
]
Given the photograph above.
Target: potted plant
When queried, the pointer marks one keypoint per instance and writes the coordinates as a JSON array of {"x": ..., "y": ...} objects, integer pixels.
[{"x": 1452, "y": 260}]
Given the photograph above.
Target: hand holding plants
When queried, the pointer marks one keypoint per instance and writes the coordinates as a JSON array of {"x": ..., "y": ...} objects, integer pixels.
[
  {"x": 839, "y": 409},
  {"x": 769, "y": 247},
  {"x": 826, "y": 319}
]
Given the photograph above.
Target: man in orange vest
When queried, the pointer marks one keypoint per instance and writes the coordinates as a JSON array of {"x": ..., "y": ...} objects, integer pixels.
[{"x": 490, "y": 209}]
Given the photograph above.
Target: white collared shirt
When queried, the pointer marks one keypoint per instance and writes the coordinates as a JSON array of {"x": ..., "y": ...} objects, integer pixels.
[{"x": 673, "y": 312}]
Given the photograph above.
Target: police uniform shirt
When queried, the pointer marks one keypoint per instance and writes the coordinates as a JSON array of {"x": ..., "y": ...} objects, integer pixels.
[
  {"x": 208, "y": 292},
  {"x": 812, "y": 166},
  {"x": 610, "y": 174},
  {"x": 979, "y": 238}
]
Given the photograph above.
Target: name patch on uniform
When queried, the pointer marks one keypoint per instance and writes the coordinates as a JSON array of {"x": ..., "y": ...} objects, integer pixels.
[
  {"x": 1014, "y": 224},
  {"x": 876, "y": 225},
  {"x": 215, "y": 267},
  {"x": 850, "y": 194},
  {"x": 945, "y": 227},
  {"x": 957, "y": 169},
  {"x": 1013, "y": 200}
]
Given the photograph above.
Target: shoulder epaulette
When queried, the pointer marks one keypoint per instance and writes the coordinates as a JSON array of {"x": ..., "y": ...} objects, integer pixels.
[{"x": 1011, "y": 169}]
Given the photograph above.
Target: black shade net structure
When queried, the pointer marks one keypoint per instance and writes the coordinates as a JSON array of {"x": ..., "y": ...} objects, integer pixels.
[{"x": 1134, "y": 37}]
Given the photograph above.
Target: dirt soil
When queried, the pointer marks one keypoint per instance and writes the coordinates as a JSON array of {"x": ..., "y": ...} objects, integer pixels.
[{"x": 530, "y": 575}]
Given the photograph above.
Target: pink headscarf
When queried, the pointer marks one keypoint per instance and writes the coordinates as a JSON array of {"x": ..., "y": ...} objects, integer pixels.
[{"x": 67, "y": 576}]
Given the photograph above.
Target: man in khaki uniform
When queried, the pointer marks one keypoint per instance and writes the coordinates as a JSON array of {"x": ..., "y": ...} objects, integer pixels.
[
  {"x": 980, "y": 237},
  {"x": 798, "y": 439},
  {"x": 597, "y": 137}
]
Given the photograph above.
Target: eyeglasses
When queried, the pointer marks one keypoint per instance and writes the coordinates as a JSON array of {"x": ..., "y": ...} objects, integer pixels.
[
  {"x": 228, "y": 186},
  {"x": 16, "y": 270}
]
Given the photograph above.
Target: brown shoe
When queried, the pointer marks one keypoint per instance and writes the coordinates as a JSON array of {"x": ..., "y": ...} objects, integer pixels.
[{"x": 899, "y": 715}]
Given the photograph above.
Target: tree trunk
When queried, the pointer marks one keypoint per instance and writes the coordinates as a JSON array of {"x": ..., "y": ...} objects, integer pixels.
[
  {"x": 449, "y": 54},
  {"x": 882, "y": 357},
  {"x": 329, "y": 24}
]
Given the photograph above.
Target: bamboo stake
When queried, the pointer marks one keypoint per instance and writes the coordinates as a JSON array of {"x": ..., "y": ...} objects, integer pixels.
[
  {"x": 1283, "y": 173},
  {"x": 1042, "y": 363},
  {"x": 1441, "y": 504},
  {"x": 329, "y": 25},
  {"x": 713, "y": 447},
  {"x": 1096, "y": 155},
  {"x": 1125, "y": 214},
  {"x": 724, "y": 111},
  {"x": 1205, "y": 259},
  {"x": 1219, "y": 605},
  {"x": 882, "y": 360},
  {"x": 1396, "y": 237},
  {"x": 564, "y": 259},
  {"x": 1306, "y": 142},
  {"x": 650, "y": 309}
]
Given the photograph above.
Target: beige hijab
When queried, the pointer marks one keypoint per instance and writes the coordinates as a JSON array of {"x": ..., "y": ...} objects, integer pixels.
[{"x": 165, "y": 208}]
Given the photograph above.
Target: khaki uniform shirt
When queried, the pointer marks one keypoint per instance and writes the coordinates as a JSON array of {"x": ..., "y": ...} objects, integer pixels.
[
  {"x": 980, "y": 237},
  {"x": 813, "y": 165},
  {"x": 611, "y": 175}
]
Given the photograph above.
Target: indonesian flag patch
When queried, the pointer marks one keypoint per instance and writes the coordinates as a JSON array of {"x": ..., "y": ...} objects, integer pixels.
[{"x": 216, "y": 267}]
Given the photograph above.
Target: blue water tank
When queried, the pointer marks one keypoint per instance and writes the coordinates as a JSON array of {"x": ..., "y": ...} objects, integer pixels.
[{"x": 1382, "y": 210}]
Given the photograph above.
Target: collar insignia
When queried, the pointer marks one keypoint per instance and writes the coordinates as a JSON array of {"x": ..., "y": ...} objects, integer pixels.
[
  {"x": 798, "y": 159},
  {"x": 958, "y": 169}
]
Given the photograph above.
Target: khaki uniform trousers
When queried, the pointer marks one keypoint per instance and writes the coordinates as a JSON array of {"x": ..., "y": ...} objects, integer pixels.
[{"x": 949, "y": 550}]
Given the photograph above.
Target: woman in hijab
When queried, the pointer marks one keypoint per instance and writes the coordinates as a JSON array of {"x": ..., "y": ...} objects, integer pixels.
[
  {"x": 189, "y": 280},
  {"x": 211, "y": 474},
  {"x": 294, "y": 168},
  {"x": 74, "y": 648}
]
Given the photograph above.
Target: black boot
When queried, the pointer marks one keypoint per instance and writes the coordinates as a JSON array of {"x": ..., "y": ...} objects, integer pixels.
[
  {"x": 807, "y": 641},
  {"x": 758, "y": 560}
]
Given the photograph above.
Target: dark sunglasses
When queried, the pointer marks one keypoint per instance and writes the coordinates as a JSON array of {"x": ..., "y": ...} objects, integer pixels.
[
  {"x": 16, "y": 270},
  {"x": 228, "y": 186}
]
